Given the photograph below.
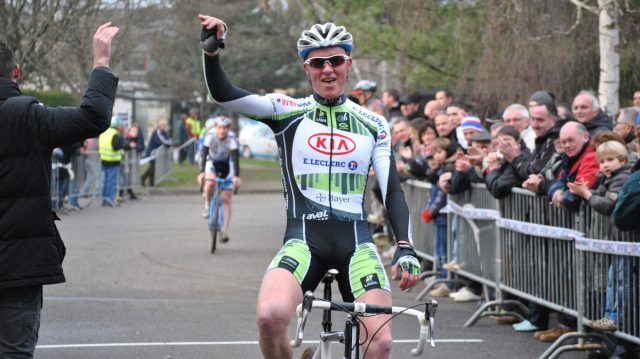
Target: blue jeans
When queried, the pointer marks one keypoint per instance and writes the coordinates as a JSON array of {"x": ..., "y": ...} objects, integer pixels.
[
  {"x": 110, "y": 182},
  {"x": 19, "y": 321},
  {"x": 617, "y": 288},
  {"x": 441, "y": 249},
  {"x": 63, "y": 191}
]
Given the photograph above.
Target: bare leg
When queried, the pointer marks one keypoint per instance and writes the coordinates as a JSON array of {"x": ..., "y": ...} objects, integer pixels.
[
  {"x": 226, "y": 217},
  {"x": 380, "y": 347},
  {"x": 208, "y": 190},
  {"x": 279, "y": 295}
]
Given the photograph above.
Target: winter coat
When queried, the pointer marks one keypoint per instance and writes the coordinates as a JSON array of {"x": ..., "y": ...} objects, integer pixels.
[
  {"x": 500, "y": 182},
  {"x": 581, "y": 168},
  {"x": 31, "y": 250},
  {"x": 627, "y": 209}
]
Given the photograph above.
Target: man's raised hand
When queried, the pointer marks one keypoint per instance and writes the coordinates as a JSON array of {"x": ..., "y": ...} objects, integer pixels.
[{"x": 102, "y": 44}]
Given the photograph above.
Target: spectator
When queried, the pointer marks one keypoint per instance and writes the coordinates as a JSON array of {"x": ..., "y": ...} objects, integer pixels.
[
  {"x": 410, "y": 106},
  {"x": 183, "y": 137},
  {"x": 612, "y": 156},
  {"x": 625, "y": 214},
  {"x": 456, "y": 113},
  {"x": 390, "y": 100},
  {"x": 64, "y": 175},
  {"x": 468, "y": 167},
  {"x": 439, "y": 161},
  {"x": 444, "y": 98},
  {"x": 586, "y": 110},
  {"x": 578, "y": 165},
  {"x": 365, "y": 92},
  {"x": 110, "y": 144},
  {"x": 446, "y": 127},
  {"x": 427, "y": 136},
  {"x": 625, "y": 127},
  {"x": 471, "y": 126},
  {"x": 159, "y": 137},
  {"x": 133, "y": 147},
  {"x": 193, "y": 131},
  {"x": 415, "y": 164},
  {"x": 500, "y": 174},
  {"x": 31, "y": 250},
  {"x": 543, "y": 114},
  {"x": 518, "y": 116},
  {"x": 431, "y": 109}
]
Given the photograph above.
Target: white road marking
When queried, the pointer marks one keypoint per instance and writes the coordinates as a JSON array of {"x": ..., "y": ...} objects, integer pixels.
[{"x": 157, "y": 344}]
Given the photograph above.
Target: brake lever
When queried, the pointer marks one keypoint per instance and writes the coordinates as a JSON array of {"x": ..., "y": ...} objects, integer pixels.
[
  {"x": 430, "y": 314},
  {"x": 307, "y": 304}
]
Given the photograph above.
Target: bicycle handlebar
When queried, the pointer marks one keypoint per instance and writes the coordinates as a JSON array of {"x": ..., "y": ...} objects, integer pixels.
[{"x": 426, "y": 319}]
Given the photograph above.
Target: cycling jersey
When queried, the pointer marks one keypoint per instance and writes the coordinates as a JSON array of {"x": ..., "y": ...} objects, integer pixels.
[
  {"x": 221, "y": 154},
  {"x": 326, "y": 149}
]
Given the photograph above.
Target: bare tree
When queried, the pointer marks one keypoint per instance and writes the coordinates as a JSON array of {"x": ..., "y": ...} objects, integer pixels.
[{"x": 52, "y": 38}]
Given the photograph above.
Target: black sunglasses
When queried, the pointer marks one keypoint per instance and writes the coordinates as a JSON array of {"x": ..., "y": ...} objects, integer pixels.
[{"x": 321, "y": 62}]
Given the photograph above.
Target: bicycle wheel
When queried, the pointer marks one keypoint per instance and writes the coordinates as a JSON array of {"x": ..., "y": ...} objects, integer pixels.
[{"x": 214, "y": 226}]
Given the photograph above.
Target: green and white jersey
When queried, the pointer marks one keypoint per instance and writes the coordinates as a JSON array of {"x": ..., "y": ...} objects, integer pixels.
[{"x": 326, "y": 149}]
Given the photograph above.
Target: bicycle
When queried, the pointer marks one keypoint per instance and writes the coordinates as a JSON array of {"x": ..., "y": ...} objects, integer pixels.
[
  {"x": 350, "y": 336},
  {"x": 216, "y": 212}
]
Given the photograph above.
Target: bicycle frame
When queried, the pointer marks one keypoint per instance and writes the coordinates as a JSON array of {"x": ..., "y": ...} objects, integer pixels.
[
  {"x": 216, "y": 213},
  {"x": 350, "y": 336}
]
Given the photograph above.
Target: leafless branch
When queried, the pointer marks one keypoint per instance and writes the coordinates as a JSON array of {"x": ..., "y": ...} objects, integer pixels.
[{"x": 580, "y": 4}]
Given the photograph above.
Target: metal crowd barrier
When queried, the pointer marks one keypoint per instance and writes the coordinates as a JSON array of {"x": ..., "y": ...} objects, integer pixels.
[
  {"x": 417, "y": 194},
  {"x": 568, "y": 261},
  {"x": 163, "y": 164},
  {"x": 85, "y": 178}
]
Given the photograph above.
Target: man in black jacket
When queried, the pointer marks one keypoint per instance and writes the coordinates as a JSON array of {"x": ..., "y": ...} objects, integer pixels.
[{"x": 31, "y": 250}]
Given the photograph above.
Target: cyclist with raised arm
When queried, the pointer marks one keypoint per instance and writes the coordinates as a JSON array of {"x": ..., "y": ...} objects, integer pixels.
[
  {"x": 327, "y": 145},
  {"x": 219, "y": 159}
]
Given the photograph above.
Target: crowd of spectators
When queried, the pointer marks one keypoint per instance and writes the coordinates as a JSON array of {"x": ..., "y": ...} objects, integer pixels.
[
  {"x": 571, "y": 154},
  {"x": 105, "y": 167}
]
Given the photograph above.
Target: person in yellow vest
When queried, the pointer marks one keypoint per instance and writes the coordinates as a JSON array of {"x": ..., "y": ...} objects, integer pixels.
[
  {"x": 110, "y": 144},
  {"x": 193, "y": 131}
]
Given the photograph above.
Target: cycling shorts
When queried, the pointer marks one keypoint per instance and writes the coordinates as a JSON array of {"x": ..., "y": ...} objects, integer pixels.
[
  {"x": 210, "y": 173},
  {"x": 341, "y": 245}
]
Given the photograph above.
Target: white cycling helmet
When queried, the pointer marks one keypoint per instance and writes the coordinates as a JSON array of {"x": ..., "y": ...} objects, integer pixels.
[
  {"x": 321, "y": 36},
  {"x": 222, "y": 121},
  {"x": 366, "y": 85}
]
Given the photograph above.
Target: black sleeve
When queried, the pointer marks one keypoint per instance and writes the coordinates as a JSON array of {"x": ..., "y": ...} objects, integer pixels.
[
  {"x": 399, "y": 216},
  {"x": 500, "y": 182},
  {"x": 220, "y": 87},
  {"x": 203, "y": 158},
  {"x": 460, "y": 181},
  {"x": 61, "y": 126},
  {"x": 117, "y": 142},
  {"x": 236, "y": 163}
]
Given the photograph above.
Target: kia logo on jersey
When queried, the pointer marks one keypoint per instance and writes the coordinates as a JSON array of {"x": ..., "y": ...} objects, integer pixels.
[{"x": 325, "y": 144}]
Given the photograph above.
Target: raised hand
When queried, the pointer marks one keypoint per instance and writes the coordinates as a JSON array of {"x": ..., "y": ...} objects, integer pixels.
[{"x": 102, "y": 44}]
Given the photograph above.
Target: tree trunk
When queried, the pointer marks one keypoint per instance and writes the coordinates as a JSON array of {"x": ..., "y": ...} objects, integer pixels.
[{"x": 609, "y": 56}]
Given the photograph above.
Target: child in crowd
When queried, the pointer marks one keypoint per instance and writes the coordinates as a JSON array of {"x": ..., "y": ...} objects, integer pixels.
[
  {"x": 614, "y": 171},
  {"x": 440, "y": 159}
]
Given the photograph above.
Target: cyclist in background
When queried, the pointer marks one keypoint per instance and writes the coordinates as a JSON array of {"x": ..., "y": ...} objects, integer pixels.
[
  {"x": 219, "y": 158},
  {"x": 327, "y": 144}
]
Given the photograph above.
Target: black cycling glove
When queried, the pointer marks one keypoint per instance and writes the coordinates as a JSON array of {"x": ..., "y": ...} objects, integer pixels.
[{"x": 406, "y": 258}]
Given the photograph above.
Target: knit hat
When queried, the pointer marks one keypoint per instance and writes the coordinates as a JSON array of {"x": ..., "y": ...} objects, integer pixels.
[{"x": 472, "y": 122}]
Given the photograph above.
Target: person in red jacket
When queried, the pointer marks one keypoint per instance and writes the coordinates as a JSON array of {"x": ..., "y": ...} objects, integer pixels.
[{"x": 579, "y": 165}]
